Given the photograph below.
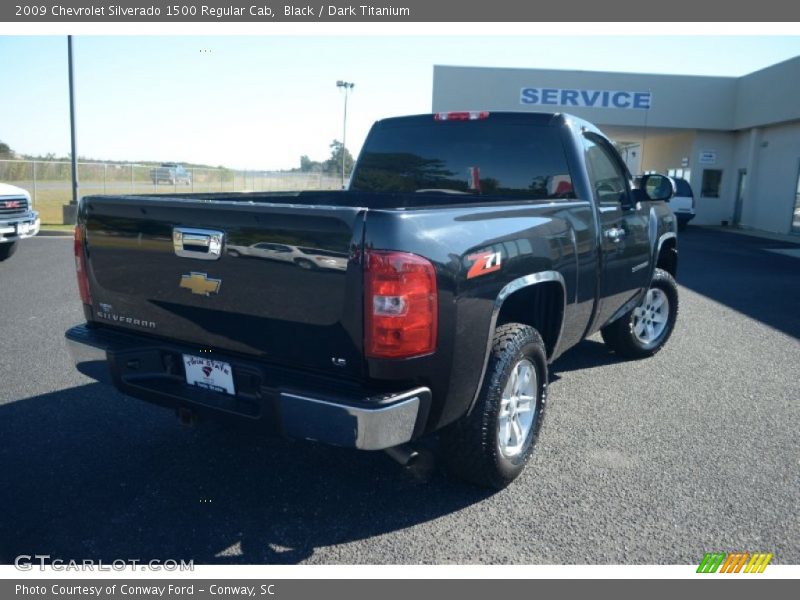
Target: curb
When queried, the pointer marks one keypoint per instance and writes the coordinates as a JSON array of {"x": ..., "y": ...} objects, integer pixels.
[
  {"x": 53, "y": 233},
  {"x": 786, "y": 238}
]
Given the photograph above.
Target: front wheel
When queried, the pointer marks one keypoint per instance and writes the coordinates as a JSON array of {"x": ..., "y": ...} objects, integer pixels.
[
  {"x": 491, "y": 445},
  {"x": 644, "y": 330},
  {"x": 7, "y": 250}
]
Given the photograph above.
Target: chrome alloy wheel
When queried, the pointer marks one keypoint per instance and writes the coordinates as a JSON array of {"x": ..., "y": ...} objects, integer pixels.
[
  {"x": 517, "y": 408},
  {"x": 649, "y": 320}
]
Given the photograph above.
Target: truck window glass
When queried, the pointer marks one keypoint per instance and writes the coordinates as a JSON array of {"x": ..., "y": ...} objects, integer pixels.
[
  {"x": 605, "y": 174},
  {"x": 468, "y": 157}
]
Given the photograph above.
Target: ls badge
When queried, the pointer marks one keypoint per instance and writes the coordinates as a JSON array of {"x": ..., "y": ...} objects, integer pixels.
[{"x": 200, "y": 283}]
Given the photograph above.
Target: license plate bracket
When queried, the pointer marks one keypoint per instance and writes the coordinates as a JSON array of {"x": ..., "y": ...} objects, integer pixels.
[{"x": 214, "y": 375}]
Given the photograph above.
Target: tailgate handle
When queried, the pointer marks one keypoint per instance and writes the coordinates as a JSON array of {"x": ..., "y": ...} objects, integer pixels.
[{"x": 205, "y": 244}]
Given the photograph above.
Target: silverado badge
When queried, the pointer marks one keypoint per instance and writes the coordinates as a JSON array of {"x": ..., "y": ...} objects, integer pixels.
[{"x": 200, "y": 283}]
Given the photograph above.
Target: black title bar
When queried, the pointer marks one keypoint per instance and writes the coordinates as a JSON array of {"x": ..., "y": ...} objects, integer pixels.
[{"x": 649, "y": 13}]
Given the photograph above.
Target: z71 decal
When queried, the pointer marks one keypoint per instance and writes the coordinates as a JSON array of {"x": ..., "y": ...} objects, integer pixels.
[{"x": 484, "y": 262}]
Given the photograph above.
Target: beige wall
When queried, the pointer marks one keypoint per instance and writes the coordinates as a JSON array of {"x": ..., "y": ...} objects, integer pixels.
[
  {"x": 712, "y": 211},
  {"x": 769, "y": 96},
  {"x": 772, "y": 189},
  {"x": 664, "y": 151}
]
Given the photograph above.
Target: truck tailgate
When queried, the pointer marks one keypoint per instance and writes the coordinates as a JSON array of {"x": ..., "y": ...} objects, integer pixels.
[{"x": 285, "y": 287}]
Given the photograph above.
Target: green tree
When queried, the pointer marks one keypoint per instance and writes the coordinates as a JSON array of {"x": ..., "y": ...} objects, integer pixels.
[
  {"x": 309, "y": 166},
  {"x": 334, "y": 163},
  {"x": 5, "y": 150}
]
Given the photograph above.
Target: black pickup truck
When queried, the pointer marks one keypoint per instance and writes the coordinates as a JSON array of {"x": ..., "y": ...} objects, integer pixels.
[{"x": 469, "y": 252}]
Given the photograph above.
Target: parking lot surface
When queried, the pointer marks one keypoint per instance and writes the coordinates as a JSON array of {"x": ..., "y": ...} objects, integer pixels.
[{"x": 653, "y": 461}]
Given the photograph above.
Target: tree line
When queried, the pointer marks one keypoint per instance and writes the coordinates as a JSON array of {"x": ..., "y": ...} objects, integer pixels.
[
  {"x": 53, "y": 170},
  {"x": 331, "y": 166}
]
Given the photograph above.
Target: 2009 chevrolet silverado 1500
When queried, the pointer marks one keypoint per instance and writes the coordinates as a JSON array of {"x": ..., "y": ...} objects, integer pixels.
[{"x": 470, "y": 251}]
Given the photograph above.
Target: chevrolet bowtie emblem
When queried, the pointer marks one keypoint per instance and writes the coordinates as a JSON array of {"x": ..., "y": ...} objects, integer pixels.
[{"x": 200, "y": 284}]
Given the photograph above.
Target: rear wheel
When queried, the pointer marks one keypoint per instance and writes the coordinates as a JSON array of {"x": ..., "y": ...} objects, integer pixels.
[
  {"x": 304, "y": 263},
  {"x": 7, "y": 250},
  {"x": 491, "y": 445},
  {"x": 644, "y": 330}
]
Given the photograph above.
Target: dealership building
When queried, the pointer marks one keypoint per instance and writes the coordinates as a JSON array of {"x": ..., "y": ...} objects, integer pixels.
[{"x": 735, "y": 139}]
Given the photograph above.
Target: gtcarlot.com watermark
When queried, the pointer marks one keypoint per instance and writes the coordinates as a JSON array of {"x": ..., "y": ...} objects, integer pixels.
[{"x": 27, "y": 562}]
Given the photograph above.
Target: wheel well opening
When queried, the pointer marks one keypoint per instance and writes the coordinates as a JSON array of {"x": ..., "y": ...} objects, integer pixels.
[
  {"x": 668, "y": 257},
  {"x": 541, "y": 306}
]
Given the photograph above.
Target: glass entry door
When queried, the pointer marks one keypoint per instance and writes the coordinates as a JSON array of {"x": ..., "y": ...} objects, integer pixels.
[
  {"x": 740, "y": 185},
  {"x": 796, "y": 213}
]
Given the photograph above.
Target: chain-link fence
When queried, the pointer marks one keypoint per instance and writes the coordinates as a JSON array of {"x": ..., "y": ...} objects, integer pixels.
[{"x": 50, "y": 182}]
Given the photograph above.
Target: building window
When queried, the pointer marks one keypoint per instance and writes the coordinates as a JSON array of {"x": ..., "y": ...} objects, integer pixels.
[
  {"x": 712, "y": 179},
  {"x": 680, "y": 174}
]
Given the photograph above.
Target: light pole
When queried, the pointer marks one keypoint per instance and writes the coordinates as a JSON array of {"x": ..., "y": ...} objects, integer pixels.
[
  {"x": 347, "y": 87},
  {"x": 73, "y": 142}
]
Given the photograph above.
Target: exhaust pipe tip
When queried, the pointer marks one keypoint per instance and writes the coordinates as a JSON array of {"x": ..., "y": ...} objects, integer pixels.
[
  {"x": 417, "y": 463},
  {"x": 405, "y": 456}
]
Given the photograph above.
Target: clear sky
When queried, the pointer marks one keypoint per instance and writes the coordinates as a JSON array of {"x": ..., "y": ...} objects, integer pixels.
[{"x": 262, "y": 102}]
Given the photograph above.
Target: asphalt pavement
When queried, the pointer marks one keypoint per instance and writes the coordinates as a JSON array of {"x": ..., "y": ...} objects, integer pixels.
[{"x": 652, "y": 461}]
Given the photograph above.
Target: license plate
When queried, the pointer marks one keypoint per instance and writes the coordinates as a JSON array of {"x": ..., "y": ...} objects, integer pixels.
[
  {"x": 208, "y": 374},
  {"x": 23, "y": 228}
]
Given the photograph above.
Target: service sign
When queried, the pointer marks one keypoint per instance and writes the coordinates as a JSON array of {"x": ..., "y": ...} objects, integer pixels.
[
  {"x": 585, "y": 98},
  {"x": 708, "y": 157}
]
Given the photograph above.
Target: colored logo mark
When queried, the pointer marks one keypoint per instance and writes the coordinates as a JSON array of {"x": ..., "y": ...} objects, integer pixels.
[
  {"x": 200, "y": 284},
  {"x": 734, "y": 562}
]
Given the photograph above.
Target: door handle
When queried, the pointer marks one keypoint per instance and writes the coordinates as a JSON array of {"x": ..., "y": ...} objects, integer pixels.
[
  {"x": 205, "y": 244},
  {"x": 615, "y": 234}
]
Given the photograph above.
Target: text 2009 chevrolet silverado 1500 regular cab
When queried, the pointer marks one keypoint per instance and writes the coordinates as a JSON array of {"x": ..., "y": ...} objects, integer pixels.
[
  {"x": 474, "y": 248},
  {"x": 17, "y": 220}
]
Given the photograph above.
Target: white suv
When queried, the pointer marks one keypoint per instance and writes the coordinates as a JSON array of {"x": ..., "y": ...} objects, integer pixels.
[
  {"x": 17, "y": 220},
  {"x": 682, "y": 203}
]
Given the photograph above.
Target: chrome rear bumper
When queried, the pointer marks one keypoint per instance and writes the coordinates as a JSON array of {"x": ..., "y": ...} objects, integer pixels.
[{"x": 354, "y": 418}]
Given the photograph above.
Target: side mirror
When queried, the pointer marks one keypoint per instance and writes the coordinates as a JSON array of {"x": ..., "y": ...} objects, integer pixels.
[{"x": 657, "y": 187}]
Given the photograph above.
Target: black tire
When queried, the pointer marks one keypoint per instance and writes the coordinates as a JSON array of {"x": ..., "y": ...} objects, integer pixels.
[
  {"x": 7, "y": 250},
  {"x": 304, "y": 263},
  {"x": 620, "y": 336},
  {"x": 682, "y": 225},
  {"x": 471, "y": 446},
  {"x": 233, "y": 253}
]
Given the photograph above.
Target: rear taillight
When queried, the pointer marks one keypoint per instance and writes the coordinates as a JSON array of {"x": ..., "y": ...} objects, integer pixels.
[
  {"x": 400, "y": 303},
  {"x": 80, "y": 266},
  {"x": 469, "y": 115}
]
